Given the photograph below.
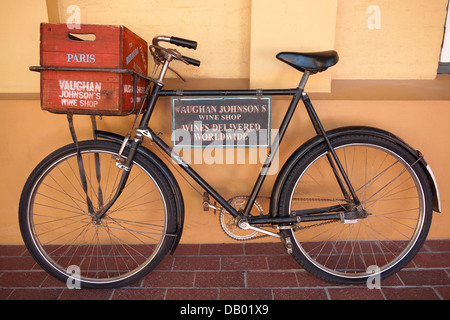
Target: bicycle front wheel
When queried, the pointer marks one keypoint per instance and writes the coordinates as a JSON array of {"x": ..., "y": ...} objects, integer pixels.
[
  {"x": 394, "y": 192},
  {"x": 65, "y": 238}
]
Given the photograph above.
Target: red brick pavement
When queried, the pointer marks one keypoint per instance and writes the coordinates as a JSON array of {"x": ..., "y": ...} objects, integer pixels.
[{"x": 241, "y": 271}]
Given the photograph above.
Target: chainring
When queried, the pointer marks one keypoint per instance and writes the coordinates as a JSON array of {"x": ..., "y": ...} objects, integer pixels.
[{"x": 229, "y": 224}]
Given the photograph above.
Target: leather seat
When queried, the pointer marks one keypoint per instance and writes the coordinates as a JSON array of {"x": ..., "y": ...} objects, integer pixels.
[{"x": 310, "y": 61}]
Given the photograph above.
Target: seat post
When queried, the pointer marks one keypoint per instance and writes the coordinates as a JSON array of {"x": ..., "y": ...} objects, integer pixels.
[{"x": 304, "y": 79}]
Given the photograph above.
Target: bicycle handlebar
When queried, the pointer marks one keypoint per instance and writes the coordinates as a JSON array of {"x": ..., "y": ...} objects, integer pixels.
[
  {"x": 183, "y": 43},
  {"x": 190, "y": 44},
  {"x": 191, "y": 61},
  {"x": 179, "y": 42}
]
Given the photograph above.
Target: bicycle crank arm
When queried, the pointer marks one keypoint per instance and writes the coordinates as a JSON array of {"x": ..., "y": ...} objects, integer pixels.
[{"x": 243, "y": 224}]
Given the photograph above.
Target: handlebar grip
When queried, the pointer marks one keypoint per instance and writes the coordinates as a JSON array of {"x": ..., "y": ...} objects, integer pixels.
[
  {"x": 191, "y": 61},
  {"x": 183, "y": 43}
]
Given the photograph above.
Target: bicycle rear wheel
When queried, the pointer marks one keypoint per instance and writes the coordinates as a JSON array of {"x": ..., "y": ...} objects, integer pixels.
[
  {"x": 393, "y": 190},
  {"x": 60, "y": 233}
]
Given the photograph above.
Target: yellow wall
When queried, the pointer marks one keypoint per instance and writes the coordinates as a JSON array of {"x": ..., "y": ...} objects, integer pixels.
[
  {"x": 238, "y": 40},
  {"x": 19, "y": 23},
  {"x": 311, "y": 27},
  {"x": 25, "y": 145},
  {"x": 222, "y": 30},
  {"x": 406, "y": 45}
]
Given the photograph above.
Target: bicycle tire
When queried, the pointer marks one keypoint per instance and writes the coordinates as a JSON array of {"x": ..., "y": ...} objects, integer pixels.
[
  {"x": 393, "y": 189},
  {"x": 59, "y": 232}
]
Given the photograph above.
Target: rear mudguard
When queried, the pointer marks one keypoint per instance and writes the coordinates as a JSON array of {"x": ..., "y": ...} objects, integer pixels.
[
  {"x": 302, "y": 150},
  {"x": 167, "y": 174}
]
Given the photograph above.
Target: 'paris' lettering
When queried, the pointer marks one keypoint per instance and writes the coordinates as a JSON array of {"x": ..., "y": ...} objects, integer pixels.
[{"x": 87, "y": 58}]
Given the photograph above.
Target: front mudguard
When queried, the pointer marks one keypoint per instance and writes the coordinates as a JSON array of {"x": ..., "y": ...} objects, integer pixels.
[
  {"x": 303, "y": 149},
  {"x": 167, "y": 174}
]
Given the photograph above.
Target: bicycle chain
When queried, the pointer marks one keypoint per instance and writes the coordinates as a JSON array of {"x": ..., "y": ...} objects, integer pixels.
[
  {"x": 296, "y": 229},
  {"x": 308, "y": 199}
]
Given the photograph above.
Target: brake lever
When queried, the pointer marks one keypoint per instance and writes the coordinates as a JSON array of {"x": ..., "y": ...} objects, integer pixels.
[{"x": 160, "y": 55}]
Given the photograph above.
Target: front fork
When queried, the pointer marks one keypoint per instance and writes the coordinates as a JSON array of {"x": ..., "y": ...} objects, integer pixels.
[
  {"x": 126, "y": 168},
  {"x": 125, "y": 164}
]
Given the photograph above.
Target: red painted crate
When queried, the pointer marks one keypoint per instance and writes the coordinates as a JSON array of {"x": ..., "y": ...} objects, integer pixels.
[{"x": 91, "y": 46}]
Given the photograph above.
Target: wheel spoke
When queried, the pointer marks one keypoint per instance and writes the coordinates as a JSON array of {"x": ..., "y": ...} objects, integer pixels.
[
  {"x": 389, "y": 191},
  {"x": 113, "y": 250}
]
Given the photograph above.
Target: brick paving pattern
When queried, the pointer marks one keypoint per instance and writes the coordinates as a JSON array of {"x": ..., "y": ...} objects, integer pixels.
[{"x": 241, "y": 271}]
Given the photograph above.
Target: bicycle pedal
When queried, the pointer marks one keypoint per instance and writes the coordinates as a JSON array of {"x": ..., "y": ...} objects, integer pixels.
[
  {"x": 205, "y": 201},
  {"x": 287, "y": 244}
]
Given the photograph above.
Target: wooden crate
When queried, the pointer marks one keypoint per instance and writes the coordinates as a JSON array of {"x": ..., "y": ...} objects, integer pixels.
[{"x": 91, "y": 46}]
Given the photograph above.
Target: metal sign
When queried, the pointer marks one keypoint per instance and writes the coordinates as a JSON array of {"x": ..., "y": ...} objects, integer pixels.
[{"x": 218, "y": 122}]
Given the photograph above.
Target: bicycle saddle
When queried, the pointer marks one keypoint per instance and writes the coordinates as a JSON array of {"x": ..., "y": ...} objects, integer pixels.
[{"x": 310, "y": 61}]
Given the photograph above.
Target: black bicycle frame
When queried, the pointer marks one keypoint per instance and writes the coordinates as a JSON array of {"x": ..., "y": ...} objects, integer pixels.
[{"x": 298, "y": 93}]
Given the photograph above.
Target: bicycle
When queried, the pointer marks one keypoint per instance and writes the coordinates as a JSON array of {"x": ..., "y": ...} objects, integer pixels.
[{"x": 347, "y": 199}]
